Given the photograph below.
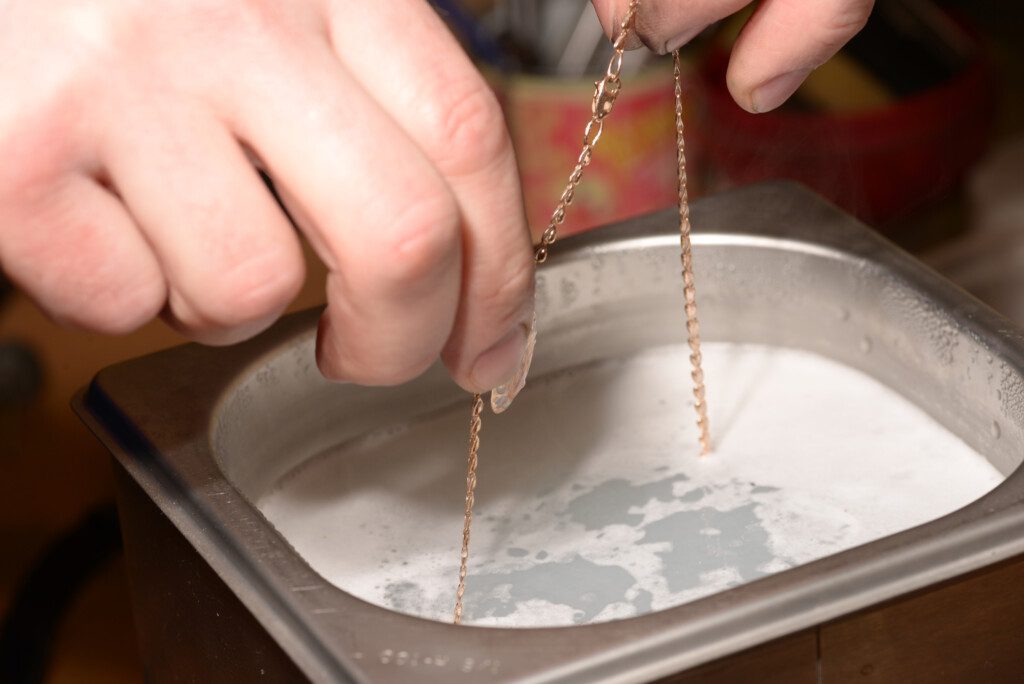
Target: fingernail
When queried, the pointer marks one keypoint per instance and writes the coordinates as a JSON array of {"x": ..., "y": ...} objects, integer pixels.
[
  {"x": 326, "y": 352},
  {"x": 770, "y": 95},
  {"x": 503, "y": 395},
  {"x": 499, "y": 362},
  {"x": 682, "y": 39}
]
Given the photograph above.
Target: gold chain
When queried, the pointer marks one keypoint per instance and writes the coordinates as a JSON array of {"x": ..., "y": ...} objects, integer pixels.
[
  {"x": 467, "y": 520},
  {"x": 606, "y": 91},
  {"x": 686, "y": 256}
]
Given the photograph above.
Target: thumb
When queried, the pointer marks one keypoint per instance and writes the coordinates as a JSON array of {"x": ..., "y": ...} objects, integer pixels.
[{"x": 665, "y": 25}]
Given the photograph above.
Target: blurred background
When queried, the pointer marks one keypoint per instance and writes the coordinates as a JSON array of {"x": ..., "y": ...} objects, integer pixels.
[{"x": 917, "y": 127}]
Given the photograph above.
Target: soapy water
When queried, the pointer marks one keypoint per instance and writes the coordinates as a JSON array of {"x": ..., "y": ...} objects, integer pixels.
[{"x": 594, "y": 505}]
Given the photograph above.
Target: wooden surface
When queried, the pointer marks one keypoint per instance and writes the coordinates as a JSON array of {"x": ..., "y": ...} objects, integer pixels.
[
  {"x": 96, "y": 642},
  {"x": 967, "y": 630},
  {"x": 790, "y": 660},
  {"x": 191, "y": 626}
]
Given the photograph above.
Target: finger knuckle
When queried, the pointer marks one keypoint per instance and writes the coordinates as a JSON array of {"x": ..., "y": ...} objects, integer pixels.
[
  {"x": 259, "y": 285},
  {"x": 381, "y": 373},
  {"x": 77, "y": 274},
  {"x": 506, "y": 294},
  {"x": 104, "y": 302},
  {"x": 122, "y": 309},
  {"x": 376, "y": 365},
  {"x": 423, "y": 238},
  {"x": 468, "y": 128}
]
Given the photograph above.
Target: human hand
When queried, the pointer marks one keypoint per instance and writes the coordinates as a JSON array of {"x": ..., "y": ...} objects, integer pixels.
[
  {"x": 128, "y": 132},
  {"x": 781, "y": 44}
]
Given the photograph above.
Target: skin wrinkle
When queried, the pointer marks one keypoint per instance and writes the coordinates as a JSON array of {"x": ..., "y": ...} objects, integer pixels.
[
  {"x": 507, "y": 289},
  {"x": 256, "y": 287},
  {"x": 473, "y": 122},
  {"x": 503, "y": 297},
  {"x": 210, "y": 209},
  {"x": 327, "y": 116},
  {"x": 650, "y": 24},
  {"x": 372, "y": 362}
]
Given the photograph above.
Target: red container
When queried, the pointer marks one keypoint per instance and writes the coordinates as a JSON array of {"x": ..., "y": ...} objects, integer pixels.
[{"x": 878, "y": 164}]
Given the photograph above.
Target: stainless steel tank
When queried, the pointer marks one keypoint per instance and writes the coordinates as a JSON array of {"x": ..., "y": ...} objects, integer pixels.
[{"x": 198, "y": 432}]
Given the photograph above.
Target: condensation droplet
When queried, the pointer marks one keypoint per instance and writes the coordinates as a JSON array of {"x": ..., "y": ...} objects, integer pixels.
[
  {"x": 866, "y": 344},
  {"x": 997, "y": 431},
  {"x": 999, "y": 395},
  {"x": 844, "y": 313}
]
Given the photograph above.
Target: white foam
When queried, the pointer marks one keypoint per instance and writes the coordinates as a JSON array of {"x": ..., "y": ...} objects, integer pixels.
[{"x": 594, "y": 505}]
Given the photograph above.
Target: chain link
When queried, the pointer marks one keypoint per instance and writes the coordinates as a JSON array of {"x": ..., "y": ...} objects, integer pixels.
[
  {"x": 467, "y": 520},
  {"x": 686, "y": 257},
  {"x": 606, "y": 91}
]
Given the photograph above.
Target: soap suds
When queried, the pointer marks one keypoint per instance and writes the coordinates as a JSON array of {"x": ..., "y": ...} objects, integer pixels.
[{"x": 593, "y": 503}]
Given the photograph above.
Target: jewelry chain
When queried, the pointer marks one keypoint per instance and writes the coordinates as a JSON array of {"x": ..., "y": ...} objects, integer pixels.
[
  {"x": 606, "y": 91},
  {"x": 467, "y": 520},
  {"x": 686, "y": 256}
]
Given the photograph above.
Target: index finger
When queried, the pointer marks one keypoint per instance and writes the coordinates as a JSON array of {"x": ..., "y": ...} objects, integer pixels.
[{"x": 432, "y": 90}]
